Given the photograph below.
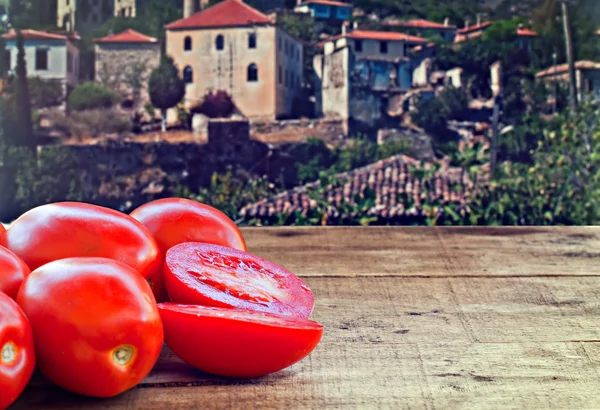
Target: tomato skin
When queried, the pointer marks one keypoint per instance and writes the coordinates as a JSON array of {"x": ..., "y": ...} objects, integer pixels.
[
  {"x": 175, "y": 220},
  {"x": 12, "y": 272},
  {"x": 212, "y": 275},
  {"x": 81, "y": 311},
  {"x": 72, "y": 229},
  {"x": 237, "y": 343},
  {"x": 16, "y": 337}
]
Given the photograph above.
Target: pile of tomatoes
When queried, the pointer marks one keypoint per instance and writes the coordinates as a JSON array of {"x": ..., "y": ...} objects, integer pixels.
[{"x": 79, "y": 286}]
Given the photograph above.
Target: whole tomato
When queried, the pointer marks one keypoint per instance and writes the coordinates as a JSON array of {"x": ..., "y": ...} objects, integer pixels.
[
  {"x": 17, "y": 355},
  {"x": 95, "y": 324},
  {"x": 12, "y": 272},
  {"x": 173, "y": 221},
  {"x": 71, "y": 229}
]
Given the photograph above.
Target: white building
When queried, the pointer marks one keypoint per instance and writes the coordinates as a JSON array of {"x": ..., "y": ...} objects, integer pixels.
[{"x": 48, "y": 56}]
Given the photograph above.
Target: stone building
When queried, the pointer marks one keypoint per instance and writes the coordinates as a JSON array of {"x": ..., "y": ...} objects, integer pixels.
[
  {"x": 124, "y": 62},
  {"x": 587, "y": 78},
  {"x": 85, "y": 15},
  {"x": 235, "y": 48}
]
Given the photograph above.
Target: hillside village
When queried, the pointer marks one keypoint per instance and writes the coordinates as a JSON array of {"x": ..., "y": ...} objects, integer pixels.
[{"x": 307, "y": 112}]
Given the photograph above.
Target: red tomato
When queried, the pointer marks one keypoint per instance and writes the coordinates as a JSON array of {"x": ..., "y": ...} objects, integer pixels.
[
  {"x": 17, "y": 355},
  {"x": 95, "y": 323},
  {"x": 12, "y": 272},
  {"x": 212, "y": 275},
  {"x": 173, "y": 221},
  {"x": 2, "y": 235},
  {"x": 70, "y": 229},
  {"x": 237, "y": 343}
]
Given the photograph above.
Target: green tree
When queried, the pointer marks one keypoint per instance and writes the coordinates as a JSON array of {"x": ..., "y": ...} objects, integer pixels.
[
  {"x": 89, "y": 96},
  {"x": 166, "y": 87}
]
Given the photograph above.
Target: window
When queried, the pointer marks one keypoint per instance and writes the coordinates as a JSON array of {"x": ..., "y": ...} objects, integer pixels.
[
  {"x": 383, "y": 47},
  {"x": 187, "y": 44},
  {"x": 188, "y": 75},
  {"x": 279, "y": 75},
  {"x": 220, "y": 42},
  {"x": 358, "y": 46},
  {"x": 41, "y": 59},
  {"x": 252, "y": 73},
  {"x": 252, "y": 40}
]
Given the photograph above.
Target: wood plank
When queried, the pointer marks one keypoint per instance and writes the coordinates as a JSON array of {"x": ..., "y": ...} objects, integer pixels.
[
  {"x": 394, "y": 342},
  {"x": 430, "y": 252}
]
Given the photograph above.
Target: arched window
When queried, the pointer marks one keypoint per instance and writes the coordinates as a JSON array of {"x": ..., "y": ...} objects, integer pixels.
[
  {"x": 188, "y": 75},
  {"x": 252, "y": 40},
  {"x": 187, "y": 44},
  {"x": 220, "y": 42},
  {"x": 252, "y": 73}
]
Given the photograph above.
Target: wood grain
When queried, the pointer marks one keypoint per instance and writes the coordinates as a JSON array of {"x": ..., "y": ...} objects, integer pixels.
[{"x": 472, "y": 334}]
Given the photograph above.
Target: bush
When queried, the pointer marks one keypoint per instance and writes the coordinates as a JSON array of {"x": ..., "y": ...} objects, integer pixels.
[
  {"x": 216, "y": 105},
  {"x": 93, "y": 123},
  {"x": 43, "y": 93},
  {"x": 89, "y": 96}
]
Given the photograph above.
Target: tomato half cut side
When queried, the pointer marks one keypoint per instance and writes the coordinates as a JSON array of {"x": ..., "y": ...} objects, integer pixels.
[
  {"x": 17, "y": 355},
  {"x": 96, "y": 327},
  {"x": 237, "y": 343},
  {"x": 12, "y": 272},
  {"x": 212, "y": 275},
  {"x": 73, "y": 229},
  {"x": 175, "y": 220}
]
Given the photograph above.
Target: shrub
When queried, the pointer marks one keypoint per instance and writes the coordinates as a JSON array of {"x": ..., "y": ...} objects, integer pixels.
[
  {"x": 93, "y": 123},
  {"x": 217, "y": 104},
  {"x": 89, "y": 96}
]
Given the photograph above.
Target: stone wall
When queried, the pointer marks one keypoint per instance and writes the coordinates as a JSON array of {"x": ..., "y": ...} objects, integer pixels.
[
  {"x": 419, "y": 143},
  {"x": 124, "y": 67},
  {"x": 328, "y": 130}
]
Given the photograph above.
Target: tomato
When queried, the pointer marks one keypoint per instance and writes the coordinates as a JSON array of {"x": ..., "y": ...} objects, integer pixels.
[
  {"x": 2, "y": 235},
  {"x": 12, "y": 272},
  {"x": 212, "y": 275},
  {"x": 17, "y": 355},
  {"x": 237, "y": 343},
  {"x": 70, "y": 229},
  {"x": 173, "y": 221},
  {"x": 95, "y": 324}
]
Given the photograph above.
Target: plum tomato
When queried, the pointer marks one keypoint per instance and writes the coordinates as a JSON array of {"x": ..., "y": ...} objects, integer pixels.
[
  {"x": 212, "y": 275},
  {"x": 95, "y": 324},
  {"x": 174, "y": 220},
  {"x": 237, "y": 343},
  {"x": 72, "y": 229},
  {"x": 12, "y": 272},
  {"x": 17, "y": 355}
]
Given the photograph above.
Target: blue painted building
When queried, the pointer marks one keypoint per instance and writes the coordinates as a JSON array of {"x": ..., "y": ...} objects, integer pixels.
[{"x": 326, "y": 9}]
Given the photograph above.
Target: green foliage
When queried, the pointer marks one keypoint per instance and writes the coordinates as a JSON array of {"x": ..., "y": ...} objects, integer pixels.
[
  {"x": 89, "y": 96},
  {"x": 166, "y": 87},
  {"x": 43, "y": 93}
]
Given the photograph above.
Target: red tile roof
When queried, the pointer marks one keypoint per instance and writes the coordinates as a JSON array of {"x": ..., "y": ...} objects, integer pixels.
[
  {"x": 384, "y": 36},
  {"x": 127, "y": 36},
  {"x": 476, "y": 27},
  {"x": 526, "y": 32},
  {"x": 228, "y": 13},
  {"x": 34, "y": 35},
  {"x": 328, "y": 3},
  {"x": 563, "y": 68},
  {"x": 420, "y": 23},
  {"x": 398, "y": 191}
]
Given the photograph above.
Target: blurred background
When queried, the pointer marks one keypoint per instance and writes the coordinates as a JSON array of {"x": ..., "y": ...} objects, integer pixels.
[{"x": 315, "y": 112}]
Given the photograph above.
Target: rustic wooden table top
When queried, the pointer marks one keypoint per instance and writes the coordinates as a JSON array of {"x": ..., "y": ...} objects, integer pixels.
[{"x": 468, "y": 318}]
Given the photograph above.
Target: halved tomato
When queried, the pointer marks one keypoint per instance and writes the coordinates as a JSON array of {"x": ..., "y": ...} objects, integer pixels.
[
  {"x": 12, "y": 272},
  {"x": 17, "y": 355},
  {"x": 212, "y": 275},
  {"x": 237, "y": 343},
  {"x": 96, "y": 326},
  {"x": 72, "y": 229},
  {"x": 175, "y": 220}
]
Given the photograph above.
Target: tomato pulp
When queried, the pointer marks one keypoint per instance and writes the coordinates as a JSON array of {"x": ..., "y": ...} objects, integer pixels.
[
  {"x": 95, "y": 324},
  {"x": 12, "y": 272},
  {"x": 237, "y": 343},
  {"x": 17, "y": 355},
  {"x": 174, "y": 220},
  {"x": 71, "y": 229},
  {"x": 212, "y": 275}
]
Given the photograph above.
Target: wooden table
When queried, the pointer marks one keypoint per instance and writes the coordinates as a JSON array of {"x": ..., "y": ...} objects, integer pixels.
[{"x": 432, "y": 318}]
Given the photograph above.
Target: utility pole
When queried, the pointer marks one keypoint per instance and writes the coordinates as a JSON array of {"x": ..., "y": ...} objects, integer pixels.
[
  {"x": 569, "y": 49},
  {"x": 555, "y": 83}
]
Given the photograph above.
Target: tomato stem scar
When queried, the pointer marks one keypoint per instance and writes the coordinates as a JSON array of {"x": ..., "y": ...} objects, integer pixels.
[
  {"x": 9, "y": 353},
  {"x": 122, "y": 355}
]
